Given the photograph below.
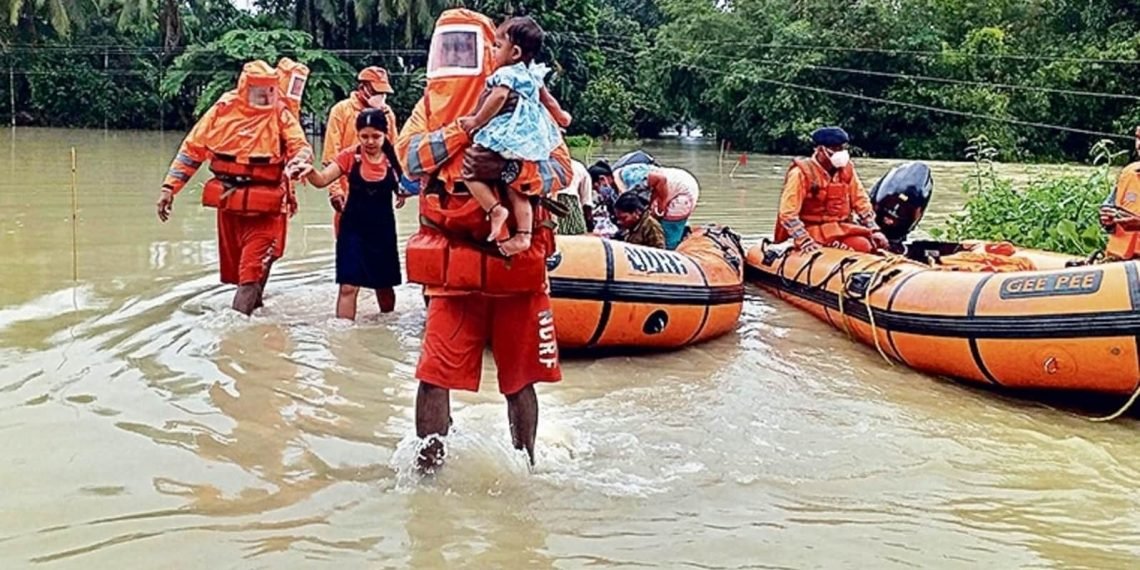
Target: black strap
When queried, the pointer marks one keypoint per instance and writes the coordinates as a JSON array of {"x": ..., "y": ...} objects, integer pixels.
[
  {"x": 487, "y": 248},
  {"x": 554, "y": 206}
]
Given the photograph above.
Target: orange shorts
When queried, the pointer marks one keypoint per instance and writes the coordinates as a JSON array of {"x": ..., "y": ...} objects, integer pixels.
[
  {"x": 519, "y": 328},
  {"x": 248, "y": 245}
]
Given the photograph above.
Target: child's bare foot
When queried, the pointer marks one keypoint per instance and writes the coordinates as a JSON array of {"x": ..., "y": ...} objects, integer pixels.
[
  {"x": 498, "y": 217},
  {"x": 518, "y": 243}
]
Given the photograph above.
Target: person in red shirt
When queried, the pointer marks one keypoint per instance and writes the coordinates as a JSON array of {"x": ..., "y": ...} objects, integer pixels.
[{"x": 366, "y": 249}]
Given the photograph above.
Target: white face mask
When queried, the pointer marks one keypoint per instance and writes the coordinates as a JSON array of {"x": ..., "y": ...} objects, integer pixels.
[
  {"x": 377, "y": 101},
  {"x": 840, "y": 159}
]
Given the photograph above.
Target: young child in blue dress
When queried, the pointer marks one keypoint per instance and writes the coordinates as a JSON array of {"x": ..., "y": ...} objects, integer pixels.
[{"x": 527, "y": 132}]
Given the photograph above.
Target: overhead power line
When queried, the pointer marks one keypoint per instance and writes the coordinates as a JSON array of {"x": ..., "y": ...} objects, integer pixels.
[{"x": 884, "y": 101}]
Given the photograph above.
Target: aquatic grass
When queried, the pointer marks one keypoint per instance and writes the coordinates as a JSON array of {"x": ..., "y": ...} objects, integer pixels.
[{"x": 1057, "y": 213}]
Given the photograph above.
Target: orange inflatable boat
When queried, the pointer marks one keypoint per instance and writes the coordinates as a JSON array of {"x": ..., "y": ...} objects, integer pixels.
[
  {"x": 611, "y": 294},
  {"x": 977, "y": 316}
]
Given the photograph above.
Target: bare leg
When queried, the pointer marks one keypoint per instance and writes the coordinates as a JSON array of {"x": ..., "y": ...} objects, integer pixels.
[
  {"x": 490, "y": 202},
  {"x": 433, "y": 418},
  {"x": 346, "y": 302},
  {"x": 247, "y": 298},
  {"x": 524, "y": 214},
  {"x": 264, "y": 282},
  {"x": 522, "y": 412},
  {"x": 386, "y": 298}
]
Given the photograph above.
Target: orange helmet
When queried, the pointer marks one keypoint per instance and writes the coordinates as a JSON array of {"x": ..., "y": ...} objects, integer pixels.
[
  {"x": 246, "y": 124},
  {"x": 291, "y": 79},
  {"x": 377, "y": 78},
  {"x": 459, "y": 62}
]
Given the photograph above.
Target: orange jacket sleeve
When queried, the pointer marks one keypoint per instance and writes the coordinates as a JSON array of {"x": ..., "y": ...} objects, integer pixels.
[
  {"x": 295, "y": 142},
  {"x": 788, "y": 223},
  {"x": 421, "y": 152},
  {"x": 393, "y": 126},
  {"x": 334, "y": 142},
  {"x": 191, "y": 154},
  {"x": 861, "y": 202}
]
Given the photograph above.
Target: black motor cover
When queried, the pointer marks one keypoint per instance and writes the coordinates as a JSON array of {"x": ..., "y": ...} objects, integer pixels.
[{"x": 900, "y": 199}]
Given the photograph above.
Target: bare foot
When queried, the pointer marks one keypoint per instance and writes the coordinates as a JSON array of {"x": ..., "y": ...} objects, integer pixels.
[
  {"x": 517, "y": 244},
  {"x": 431, "y": 455},
  {"x": 498, "y": 217}
]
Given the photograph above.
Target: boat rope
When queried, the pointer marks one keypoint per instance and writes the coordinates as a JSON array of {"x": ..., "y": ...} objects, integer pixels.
[
  {"x": 843, "y": 283},
  {"x": 837, "y": 270},
  {"x": 1127, "y": 406},
  {"x": 882, "y": 264},
  {"x": 781, "y": 271},
  {"x": 807, "y": 267}
]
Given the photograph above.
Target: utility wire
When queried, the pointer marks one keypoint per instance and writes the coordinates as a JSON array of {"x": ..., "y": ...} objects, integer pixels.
[
  {"x": 906, "y": 104},
  {"x": 889, "y": 51}
]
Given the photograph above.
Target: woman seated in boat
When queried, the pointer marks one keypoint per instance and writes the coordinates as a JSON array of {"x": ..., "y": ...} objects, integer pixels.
[{"x": 636, "y": 225}]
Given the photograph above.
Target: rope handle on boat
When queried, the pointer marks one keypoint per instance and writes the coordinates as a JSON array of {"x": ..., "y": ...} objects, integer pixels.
[
  {"x": 1127, "y": 406},
  {"x": 807, "y": 267},
  {"x": 881, "y": 265}
]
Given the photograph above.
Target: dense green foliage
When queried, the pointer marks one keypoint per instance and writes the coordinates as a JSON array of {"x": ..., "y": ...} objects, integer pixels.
[
  {"x": 1054, "y": 214},
  {"x": 909, "y": 78},
  {"x": 209, "y": 69}
]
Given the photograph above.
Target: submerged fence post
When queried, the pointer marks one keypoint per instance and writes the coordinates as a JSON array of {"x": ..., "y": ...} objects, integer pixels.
[
  {"x": 12, "y": 93},
  {"x": 106, "y": 72},
  {"x": 158, "y": 90},
  {"x": 74, "y": 224}
]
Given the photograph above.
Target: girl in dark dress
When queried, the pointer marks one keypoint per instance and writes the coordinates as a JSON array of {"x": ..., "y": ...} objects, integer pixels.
[{"x": 366, "y": 251}]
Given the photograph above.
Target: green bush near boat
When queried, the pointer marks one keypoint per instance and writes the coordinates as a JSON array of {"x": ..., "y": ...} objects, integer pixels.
[{"x": 1055, "y": 214}]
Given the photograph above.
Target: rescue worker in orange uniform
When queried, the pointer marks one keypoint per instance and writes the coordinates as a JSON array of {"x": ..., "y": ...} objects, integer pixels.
[
  {"x": 247, "y": 136},
  {"x": 477, "y": 297},
  {"x": 824, "y": 203},
  {"x": 1120, "y": 213},
  {"x": 372, "y": 91},
  {"x": 291, "y": 79}
]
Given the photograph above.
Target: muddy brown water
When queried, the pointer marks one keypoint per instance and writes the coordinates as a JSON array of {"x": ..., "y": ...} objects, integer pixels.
[{"x": 143, "y": 425}]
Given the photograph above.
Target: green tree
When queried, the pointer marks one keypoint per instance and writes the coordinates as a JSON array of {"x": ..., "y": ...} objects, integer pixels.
[
  {"x": 62, "y": 15},
  {"x": 212, "y": 69}
]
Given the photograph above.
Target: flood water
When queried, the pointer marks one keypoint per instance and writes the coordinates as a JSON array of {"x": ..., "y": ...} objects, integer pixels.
[{"x": 144, "y": 425}]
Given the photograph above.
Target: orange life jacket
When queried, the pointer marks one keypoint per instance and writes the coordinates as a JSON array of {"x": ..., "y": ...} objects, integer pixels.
[
  {"x": 1124, "y": 237},
  {"x": 1000, "y": 257},
  {"x": 826, "y": 201},
  {"x": 446, "y": 252},
  {"x": 257, "y": 187}
]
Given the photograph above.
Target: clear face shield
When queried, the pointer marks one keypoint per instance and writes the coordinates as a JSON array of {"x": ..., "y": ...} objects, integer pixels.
[
  {"x": 262, "y": 96},
  {"x": 456, "y": 51}
]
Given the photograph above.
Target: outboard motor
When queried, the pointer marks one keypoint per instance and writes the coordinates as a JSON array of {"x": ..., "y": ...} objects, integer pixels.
[
  {"x": 635, "y": 157},
  {"x": 900, "y": 198}
]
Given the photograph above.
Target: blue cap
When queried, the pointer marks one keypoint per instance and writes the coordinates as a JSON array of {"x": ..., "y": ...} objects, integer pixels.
[{"x": 829, "y": 136}]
